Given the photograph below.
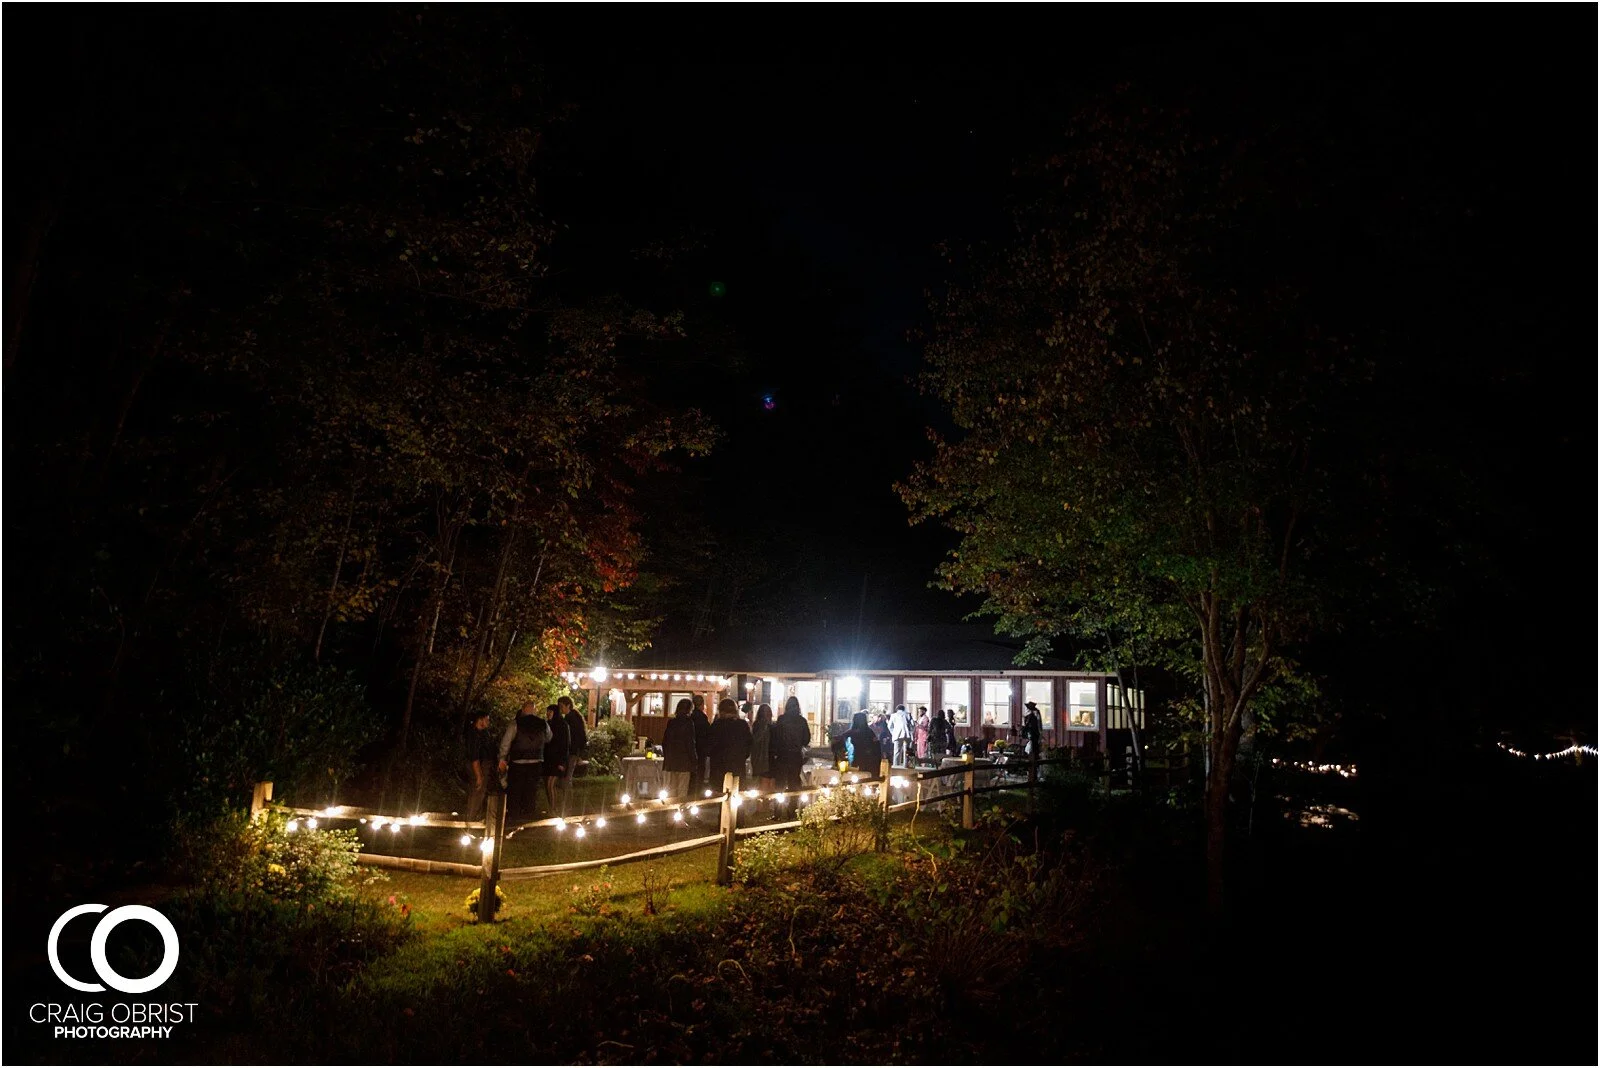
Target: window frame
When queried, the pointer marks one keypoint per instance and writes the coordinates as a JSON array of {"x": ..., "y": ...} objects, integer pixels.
[
  {"x": 1010, "y": 707},
  {"x": 1072, "y": 706},
  {"x": 913, "y": 704},
  {"x": 965, "y": 717},
  {"x": 1047, "y": 707}
]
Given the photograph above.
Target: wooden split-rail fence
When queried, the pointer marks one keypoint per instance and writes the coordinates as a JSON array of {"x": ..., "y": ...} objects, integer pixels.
[{"x": 494, "y": 830}]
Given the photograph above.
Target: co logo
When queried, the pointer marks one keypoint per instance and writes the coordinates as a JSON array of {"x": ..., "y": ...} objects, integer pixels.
[{"x": 97, "y": 948}]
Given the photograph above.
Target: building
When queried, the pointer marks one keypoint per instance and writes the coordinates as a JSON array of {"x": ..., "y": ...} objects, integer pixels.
[{"x": 964, "y": 669}]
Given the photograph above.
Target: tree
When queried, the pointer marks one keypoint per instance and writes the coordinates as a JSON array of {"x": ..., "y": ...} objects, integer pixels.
[{"x": 1145, "y": 420}]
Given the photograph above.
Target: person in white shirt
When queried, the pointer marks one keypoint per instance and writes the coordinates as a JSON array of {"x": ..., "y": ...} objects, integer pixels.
[{"x": 900, "y": 730}]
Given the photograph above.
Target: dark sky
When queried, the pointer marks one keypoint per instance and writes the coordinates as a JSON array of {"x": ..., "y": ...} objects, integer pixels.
[{"x": 812, "y": 164}]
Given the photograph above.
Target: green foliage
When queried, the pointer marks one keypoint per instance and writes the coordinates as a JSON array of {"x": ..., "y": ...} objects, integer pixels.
[
  {"x": 474, "y": 898},
  {"x": 258, "y": 718},
  {"x": 234, "y": 855},
  {"x": 609, "y": 741},
  {"x": 761, "y": 858},
  {"x": 837, "y": 826}
]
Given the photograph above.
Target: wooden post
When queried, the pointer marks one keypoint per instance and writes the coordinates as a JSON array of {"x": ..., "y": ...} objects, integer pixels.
[
  {"x": 966, "y": 799},
  {"x": 884, "y": 769},
  {"x": 258, "y": 799},
  {"x": 494, "y": 828},
  {"x": 729, "y": 823}
]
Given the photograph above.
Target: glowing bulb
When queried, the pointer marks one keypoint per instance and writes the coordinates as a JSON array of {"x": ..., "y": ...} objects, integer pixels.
[
  {"x": 849, "y": 685},
  {"x": 631, "y": 676},
  {"x": 560, "y": 824},
  {"x": 625, "y": 799},
  {"x": 778, "y": 798},
  {"x": 677, "y": 815},
  {"x": 395, "y": 826},
  {"x": 752, "y": 794},
  {"x": 700, "y": 678},
  {"x": 486, "y": 846},
  {"x": 377, "y": 823},
  {"x": 599, "y": 674},
  {"x": 640, "y": 818},
  {"x": 694, "y": 810},
  {"x": 677, "y": 678},
  {"x": 579, "y": 832},
  {"x": 662, "y": 796},
  {"x": 805, "y": 799},
  {"x": 311, "y": 824},
  {"x": 834, "y": 781},
  {"x": 855, "y": 778},
  {"x": 292, "y": 826},
  {"x": 600, "y": 821},
  {"x": 363, "y": 819},
  {"x": 416, "y": 821},
  {"x": 466, "y": 839},
  {"x": 708, "y": 793}
]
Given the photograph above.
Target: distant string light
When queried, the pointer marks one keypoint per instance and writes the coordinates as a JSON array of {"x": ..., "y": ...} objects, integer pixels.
[
  {"x": 1346, "y": 771},
  {"x": 1571, "y": 750}
]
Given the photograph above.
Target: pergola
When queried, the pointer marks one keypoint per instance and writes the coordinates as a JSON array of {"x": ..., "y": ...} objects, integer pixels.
[{"x": 711, "y": 687}]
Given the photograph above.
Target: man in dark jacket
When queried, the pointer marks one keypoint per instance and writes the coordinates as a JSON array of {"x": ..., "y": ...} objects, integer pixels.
[
  {"x": 790, "y": 736},
  {"x": 679, "y": 757},
  {"x": 1031, "y": 732},
  {"x": 577, "y": 745},
  {"x": 557, "y": 754},
  {"x": 482, "y": 757},
  {"x": 729, "y": 745},
  {"x": 702, "y": 747}
]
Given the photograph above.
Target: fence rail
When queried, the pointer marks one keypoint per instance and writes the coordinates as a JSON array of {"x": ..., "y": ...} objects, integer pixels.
[{"x": 495, "y": 832}]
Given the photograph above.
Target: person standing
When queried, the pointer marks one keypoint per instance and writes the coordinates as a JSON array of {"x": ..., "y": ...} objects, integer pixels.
[
  {"x": 761, "y": 749},
  {"x": 522, "y": 762},
  {"x": 557, "y": 755},
  {"x": 861, "y": 741},
  {"x": 880, "y": 731},
  {"x": 923, "y": 724},
  {"x": 1031, "y": 732},
  {"x": 941, "y": 737},
  {"x": 679, "y": 758},
  {"x": 900, "y": 731},
  {"x": 702, "y": 746},
  {"x": 790, "y": 736},
  {"x": 729, "y": 745},
  {"x": 483, "y": 758},
  {"x": 577, "y": 745}
]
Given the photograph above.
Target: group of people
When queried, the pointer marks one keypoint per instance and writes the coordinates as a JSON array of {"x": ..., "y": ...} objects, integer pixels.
[
  {"x": 923, "y": 737},
  {"x": 697, "y": 752},
  {"x": 534, "y": 756}
]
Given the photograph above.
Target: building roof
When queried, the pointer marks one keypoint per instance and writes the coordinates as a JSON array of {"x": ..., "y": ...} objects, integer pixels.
[{"x": 931, "y": 648}]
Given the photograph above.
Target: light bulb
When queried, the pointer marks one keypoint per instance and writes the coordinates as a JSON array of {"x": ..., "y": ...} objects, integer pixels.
[
  {"x": 677, "y": 815},
  {"x": 662, "y": 796},
  {"x": 694, "y": 810},
  {"x": 625, "y": 799},
  {"x": 560, "y": 824},
  {"x": 708, "y": 793},
  {"x": 292, "y": 826},
  {"x": 466, "y": 839},
  {"x": 311, "y": 824},
  {"x": 805, "y": 799},
  {"x": 778, "y": 798},
  {"x": 733, "y": 800},
  {"x": 580, "y": 832},
  {"x": 486, "y": 846},
  {"x": 395, "y": 826},
  {"x": 415, "y": 821},
  {"x": 640, "y": 818},
  {"x": 600, "y": 821}
]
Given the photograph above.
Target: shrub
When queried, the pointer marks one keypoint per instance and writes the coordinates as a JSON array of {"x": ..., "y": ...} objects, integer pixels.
[
  {"x": 760, "y": 858},
  {"x": 609, "y": 742},
  {"x": 236, "y": 855},
  {"x": 839, "y": 824}
]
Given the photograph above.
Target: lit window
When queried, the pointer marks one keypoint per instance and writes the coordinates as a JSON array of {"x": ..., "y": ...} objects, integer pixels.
[
  {"x": 880, "y": 694},
  {"x": 653, "y": 703},
  {"x": 997, "y": 702},
  {"x": 1081, "y": 706},
  {"x": 672, "y": 701},
  {"x": 955, "y": 696},
  {"x": 919, "y": 694},
  {"x": 1040, "y": 692}
]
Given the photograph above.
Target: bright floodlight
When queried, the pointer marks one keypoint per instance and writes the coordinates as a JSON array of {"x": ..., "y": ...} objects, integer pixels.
[
  {"x": 849, "y": 685},
  {"x": 599, "y": 674}
]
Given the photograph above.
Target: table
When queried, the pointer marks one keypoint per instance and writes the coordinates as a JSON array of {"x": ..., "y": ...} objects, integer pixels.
[{"x": 641, "y": 776}]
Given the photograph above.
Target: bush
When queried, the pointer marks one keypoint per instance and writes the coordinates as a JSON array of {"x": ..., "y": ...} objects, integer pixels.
[
  {"x": 609, "y": 742},
  {"x": 839, "y": 824},
  {"x": 759, "y": 859},
  {"x": 595, "y": 898},
  {"x": 235, "y": 855}
]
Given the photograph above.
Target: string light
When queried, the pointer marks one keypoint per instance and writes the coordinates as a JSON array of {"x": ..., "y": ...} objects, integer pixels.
[
  {"x": 834, "y": 781},
  {"x": 662, "y": 797},
  {"x": 292, "y": 826},
  {"x": 677, "y": 815},
  {"x": 1571, "y": 750},
  {"x": 733, "y": 800},
  {"x": 311, "y": 824},
  {"x": 1346, "y": 771},
  {"x": 415, "y": 821},
  {"x": 708, "y": 793},
  {"x": 579, "y": 832},
  {"x": 395, "y": 826},
  {"x": 377, "y": 823},
  {"x": 805, "y": 799},
  {"x": 694, "y": 810},
  {"x": 466, "y": 839},
  {"x": 778, "y": 798},
  {"x": 600, "y": 821},
  {"x": 486, "y": 846},
  {"x": 560, "y": 825},
  {"x": 625, "y": 799},
  {"x": 640, "y": 818}
]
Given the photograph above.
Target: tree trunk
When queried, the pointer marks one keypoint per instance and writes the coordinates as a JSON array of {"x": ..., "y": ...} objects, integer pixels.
[
  {"x": 486, "y": 632},
  {"x": 333, "y": 587}
]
